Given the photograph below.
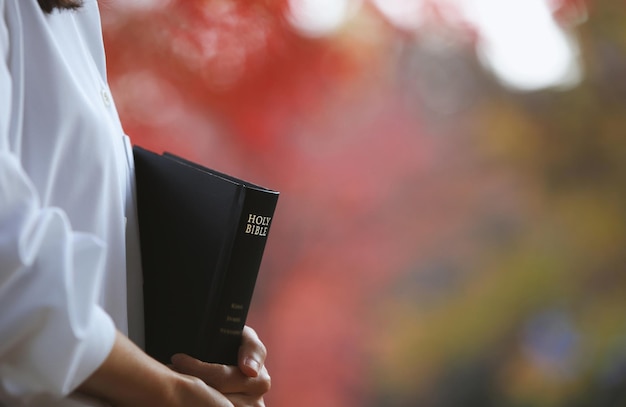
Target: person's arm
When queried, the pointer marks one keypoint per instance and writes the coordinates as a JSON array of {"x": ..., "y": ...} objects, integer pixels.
[{"x": 130, "y": 378}]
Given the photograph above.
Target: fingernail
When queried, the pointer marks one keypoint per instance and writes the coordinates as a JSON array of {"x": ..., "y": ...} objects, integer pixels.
[{"x": 252, "y": 364}]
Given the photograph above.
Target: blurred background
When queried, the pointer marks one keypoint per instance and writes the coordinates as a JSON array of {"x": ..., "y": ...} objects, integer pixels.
[{"x": 452, "y": 223}]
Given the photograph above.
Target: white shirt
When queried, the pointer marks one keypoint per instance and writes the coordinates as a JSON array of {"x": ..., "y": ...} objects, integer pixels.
[{"x": 65, "y": 195}]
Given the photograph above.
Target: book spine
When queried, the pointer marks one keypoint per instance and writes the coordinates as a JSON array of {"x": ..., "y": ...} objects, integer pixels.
[{"x": 234, "y": 292}]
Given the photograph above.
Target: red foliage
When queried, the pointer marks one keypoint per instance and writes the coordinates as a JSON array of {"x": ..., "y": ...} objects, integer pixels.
[{"x": 239, "y": 60}]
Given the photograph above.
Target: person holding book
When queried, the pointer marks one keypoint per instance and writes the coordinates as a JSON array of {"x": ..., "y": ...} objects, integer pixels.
[{"x": 70, "y": 279}]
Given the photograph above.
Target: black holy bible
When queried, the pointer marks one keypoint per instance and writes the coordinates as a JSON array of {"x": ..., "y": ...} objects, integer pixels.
[{"x": 202, "y": 236}]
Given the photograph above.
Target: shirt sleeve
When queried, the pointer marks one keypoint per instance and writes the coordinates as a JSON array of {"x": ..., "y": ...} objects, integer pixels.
[{"x": 53, "y": 334}]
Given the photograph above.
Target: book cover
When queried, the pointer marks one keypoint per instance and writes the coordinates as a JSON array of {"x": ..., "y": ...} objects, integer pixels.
[{"x": 202, "y": 237}]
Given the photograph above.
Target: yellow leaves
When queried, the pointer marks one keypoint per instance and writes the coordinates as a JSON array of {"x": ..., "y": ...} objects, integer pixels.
[
  {"x": 506, "y": 134},
  {"x": 592, "y": 221}
]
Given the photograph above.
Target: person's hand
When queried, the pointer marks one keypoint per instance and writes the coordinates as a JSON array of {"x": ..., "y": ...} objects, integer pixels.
[{"x": 243, "y": 385}]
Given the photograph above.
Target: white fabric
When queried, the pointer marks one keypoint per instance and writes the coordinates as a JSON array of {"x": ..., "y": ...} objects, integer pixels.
[{"x": 65, "y": 194}]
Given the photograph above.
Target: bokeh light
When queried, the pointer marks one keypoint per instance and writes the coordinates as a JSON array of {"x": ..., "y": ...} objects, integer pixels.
[
  {"x": 522, "y": 43},
  {"x": 320, "y": 17}
]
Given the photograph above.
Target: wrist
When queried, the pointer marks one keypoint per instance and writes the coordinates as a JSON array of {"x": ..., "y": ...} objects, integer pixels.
[{"x": 129, "y": 377}]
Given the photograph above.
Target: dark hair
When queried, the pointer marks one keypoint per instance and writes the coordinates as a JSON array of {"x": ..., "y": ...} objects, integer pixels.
[{"x": 49, "y": 5}]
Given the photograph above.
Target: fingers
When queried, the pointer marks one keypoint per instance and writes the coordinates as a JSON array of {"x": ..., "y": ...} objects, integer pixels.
[
  {"x": 191, "y": 391},
  {"x": 221, "y": 377},
  {"x": 252, "y": 353},
  {"x": 225, "y": 379},
  {"x": 244, "y": 385}
]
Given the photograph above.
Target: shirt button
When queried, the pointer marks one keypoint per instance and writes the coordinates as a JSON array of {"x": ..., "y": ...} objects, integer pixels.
[{"x": 106, "y": 98}]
